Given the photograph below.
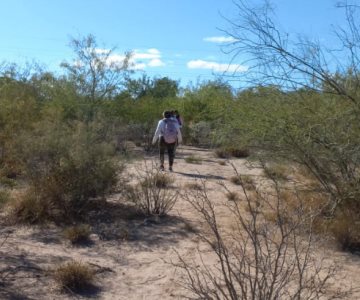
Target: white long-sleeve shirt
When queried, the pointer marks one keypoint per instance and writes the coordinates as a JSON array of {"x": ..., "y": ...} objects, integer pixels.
[{"x": 159, "y": 132}]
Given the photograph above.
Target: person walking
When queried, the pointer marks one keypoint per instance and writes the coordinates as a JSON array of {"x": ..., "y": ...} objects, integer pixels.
[{"x": 168, "y": 133}]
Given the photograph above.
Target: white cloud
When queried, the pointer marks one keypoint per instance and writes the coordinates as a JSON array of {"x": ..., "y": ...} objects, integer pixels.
[
  {"x": 148, "y": 58},
  {"x": 220, "y": 39},
  {"x": 137, "y": 66},
  {"x": 156, "y": 62},
  {"x": 102, "y": 51},
  {"x": 216, "y": 67}
]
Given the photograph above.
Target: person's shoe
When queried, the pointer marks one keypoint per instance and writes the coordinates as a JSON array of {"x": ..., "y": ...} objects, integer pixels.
[
  {"x": 162, "y": 168},
  {"x": 170, "y": 169}
]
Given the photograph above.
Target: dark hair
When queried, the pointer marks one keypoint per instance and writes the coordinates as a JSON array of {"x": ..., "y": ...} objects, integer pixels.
[{"x": 167, "y": 114}]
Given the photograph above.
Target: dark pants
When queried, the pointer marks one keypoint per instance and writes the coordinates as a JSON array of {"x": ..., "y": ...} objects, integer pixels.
[{"x": 170, "y": 150}]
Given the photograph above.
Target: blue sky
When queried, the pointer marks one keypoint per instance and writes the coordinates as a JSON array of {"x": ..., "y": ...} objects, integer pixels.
[{"x": 175, "y": 38}]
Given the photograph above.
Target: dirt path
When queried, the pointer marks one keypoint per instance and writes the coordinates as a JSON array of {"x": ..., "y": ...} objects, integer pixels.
[{"x": 132, "y": 259}]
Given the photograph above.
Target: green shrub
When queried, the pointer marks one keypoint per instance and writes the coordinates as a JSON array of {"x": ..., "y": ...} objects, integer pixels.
[{"x": 69, "y": 165}]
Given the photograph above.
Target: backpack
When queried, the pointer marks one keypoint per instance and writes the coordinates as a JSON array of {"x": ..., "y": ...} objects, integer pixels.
[{"x": 170, "y": 131}]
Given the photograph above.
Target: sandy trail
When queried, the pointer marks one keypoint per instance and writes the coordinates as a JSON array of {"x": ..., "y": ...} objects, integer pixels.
[{"x": 132, "y": 259}]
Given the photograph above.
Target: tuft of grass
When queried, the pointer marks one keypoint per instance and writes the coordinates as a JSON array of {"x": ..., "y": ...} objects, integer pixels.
[
  {"x": 235, "y": 179},
  {"x": 74, "y": 276},
  {"x": 30, "y": 208},
  {"x": 160, "y": 180},
  {"x": 152, "y": 195},
  {"x": 194, "y": 186},
  {"x": 248, "y": 182},
  {"x": 228, "y": 152},
  {"x": 192, "y": 159},
  {"x": 222, "y": 153},
  {"x": 232, "y": 196},
  {"x": 276, "y": 172},
  {"x": 8, "y": 182},
  {"x": 4, "y": 197},
  {"x": 77, "y": 234}
]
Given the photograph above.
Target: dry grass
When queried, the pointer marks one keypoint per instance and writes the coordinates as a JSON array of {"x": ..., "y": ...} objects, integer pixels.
[
  {"x": 78, "y": 234},
  {"x": 30, "y": 208},
  {"x": 4, "y": 197},
  {"x": 232, "y": 152},
  {"x": 276, "y": 172},
  {"x": 74, "y": 276},
  {"x": 235, "y": 179},
  {"x": 193, "y": 186},
  {"x": 232, "y": 196},
  {"x": 160, "y": 180},
  {"x": 192, "y": 159},
  {"x": 152, "y": 195}
]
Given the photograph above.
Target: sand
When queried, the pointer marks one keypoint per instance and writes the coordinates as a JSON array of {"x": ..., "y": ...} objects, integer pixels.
[{"x": 133, "y": 257}]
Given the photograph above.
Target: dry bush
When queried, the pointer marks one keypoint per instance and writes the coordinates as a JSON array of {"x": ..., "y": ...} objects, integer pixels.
[
  {"x": 345, "y": 228},
  {"x": 257, "y": 259},
  {"x": 152, "y": 195},
  {"x": 77, "y": 234},
  {"x": 276, "y": 172},
  {"x": 192, "y": 159},
  {"x": 158, "y": 179},
  {"x": 228, "y": 152},
  {"x": 74, "y": 276},
  {"x": 30, "y": 207}
]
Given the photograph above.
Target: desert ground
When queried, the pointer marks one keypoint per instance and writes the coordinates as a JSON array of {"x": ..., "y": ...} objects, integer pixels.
[{"x": 133, "y": 257}]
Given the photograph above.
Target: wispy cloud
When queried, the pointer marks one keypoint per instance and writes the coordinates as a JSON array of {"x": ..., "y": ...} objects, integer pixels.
[
  {"x": 139, "y": 60},
  {"x": 220, "y": 39},
  {"x": 216, "y": 67},
  {"x": 148, "y": 58}
]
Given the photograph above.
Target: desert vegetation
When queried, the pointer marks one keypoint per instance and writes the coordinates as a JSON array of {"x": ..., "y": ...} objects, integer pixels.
[{"x": 69, "y": 143}]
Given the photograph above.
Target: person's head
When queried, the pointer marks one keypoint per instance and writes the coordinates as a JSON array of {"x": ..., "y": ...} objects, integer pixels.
[
  {"x": 176, "y": 113},
  {"x": 167, "y": 114}
]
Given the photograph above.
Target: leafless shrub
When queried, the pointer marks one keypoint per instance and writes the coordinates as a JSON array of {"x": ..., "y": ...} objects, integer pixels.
[
  {"x": 257, "y": 258},
  {"x": 152, "y": 195}
]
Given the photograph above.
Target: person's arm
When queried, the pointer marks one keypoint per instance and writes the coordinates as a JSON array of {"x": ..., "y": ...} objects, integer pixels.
[
  {"x": 158, "y": 131},
  {"x": 179, "y": 136}
]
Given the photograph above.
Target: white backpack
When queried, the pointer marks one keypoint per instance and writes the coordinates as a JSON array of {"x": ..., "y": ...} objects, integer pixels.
[{"x": 170, "y": 131}]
